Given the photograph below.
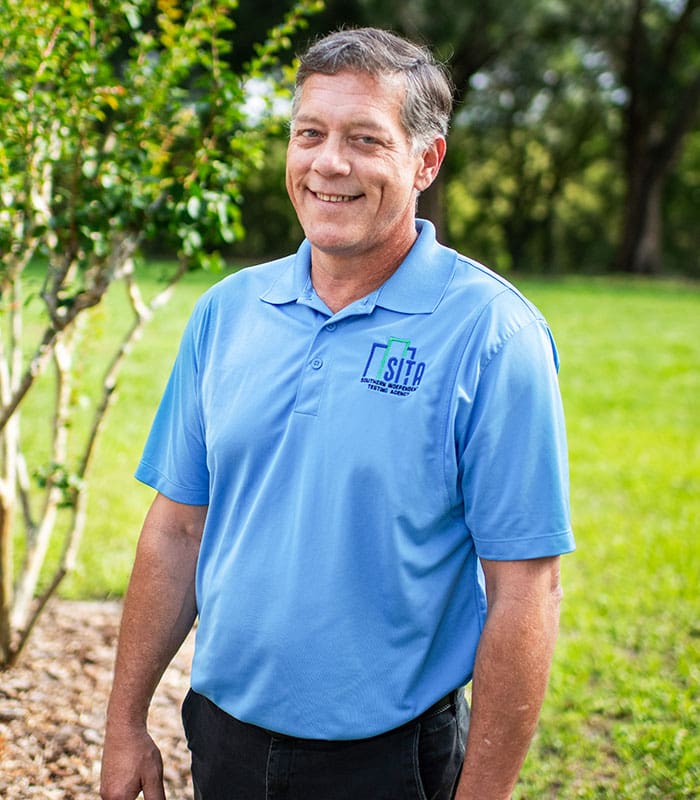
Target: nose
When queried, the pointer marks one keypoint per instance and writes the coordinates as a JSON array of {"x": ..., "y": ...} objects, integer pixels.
[{"x": 331, "y": 158}]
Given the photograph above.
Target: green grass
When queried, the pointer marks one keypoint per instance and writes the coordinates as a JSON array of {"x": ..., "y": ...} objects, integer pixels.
[{"x": 621, "y": 717}]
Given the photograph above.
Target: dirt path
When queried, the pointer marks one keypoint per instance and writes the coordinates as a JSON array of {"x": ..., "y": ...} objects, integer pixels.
[{"x": 52, "y": 707}]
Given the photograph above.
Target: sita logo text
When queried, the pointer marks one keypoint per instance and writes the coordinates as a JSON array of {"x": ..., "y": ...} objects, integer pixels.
[{"x": 393, "y": 368}]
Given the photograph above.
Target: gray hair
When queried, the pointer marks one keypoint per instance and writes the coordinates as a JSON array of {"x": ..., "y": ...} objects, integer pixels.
[{"x": 427, "y": 103}]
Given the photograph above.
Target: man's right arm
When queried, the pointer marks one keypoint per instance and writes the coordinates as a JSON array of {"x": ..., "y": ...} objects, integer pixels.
[{"x": 159, "y": 611}]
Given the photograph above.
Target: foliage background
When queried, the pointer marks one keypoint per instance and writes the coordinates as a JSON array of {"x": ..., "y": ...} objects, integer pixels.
[{"x": 569, "y": 117}]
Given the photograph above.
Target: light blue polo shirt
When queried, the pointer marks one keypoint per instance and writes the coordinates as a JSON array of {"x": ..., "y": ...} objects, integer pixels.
[{"x": 356, "y": 465}]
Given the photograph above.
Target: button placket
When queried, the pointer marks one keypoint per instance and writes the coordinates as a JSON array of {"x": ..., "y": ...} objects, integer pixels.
[{"x": 314, "y": 375}]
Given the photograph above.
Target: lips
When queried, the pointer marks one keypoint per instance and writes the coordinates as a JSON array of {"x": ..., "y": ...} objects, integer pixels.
[{"x": 336, "y": 198}]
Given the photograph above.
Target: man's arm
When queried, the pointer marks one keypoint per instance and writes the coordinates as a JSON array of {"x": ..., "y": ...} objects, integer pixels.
[
  {"x": 159, "y": 611},
  {"x": 510, "y": 673}
]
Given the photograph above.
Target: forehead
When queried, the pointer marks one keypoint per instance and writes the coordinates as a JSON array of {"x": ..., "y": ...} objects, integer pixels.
[{"x": 352, "y": 95}]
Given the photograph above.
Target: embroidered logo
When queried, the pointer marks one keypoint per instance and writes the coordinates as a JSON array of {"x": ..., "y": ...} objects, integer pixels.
[{"x": 393, "y": 368}]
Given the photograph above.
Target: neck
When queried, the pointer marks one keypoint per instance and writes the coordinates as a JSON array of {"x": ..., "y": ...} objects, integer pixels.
[
  {"x": 340, "y": 280},
  {"x": 340, "y": 289}
]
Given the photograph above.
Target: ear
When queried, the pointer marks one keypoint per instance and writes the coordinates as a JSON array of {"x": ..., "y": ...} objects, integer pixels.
[{"x": 430, "y": 160}]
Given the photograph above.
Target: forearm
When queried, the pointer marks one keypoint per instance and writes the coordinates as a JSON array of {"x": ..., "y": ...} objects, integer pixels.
[
  {"x": 159, "y": 609},
  {"x": 510, "y": 679}
]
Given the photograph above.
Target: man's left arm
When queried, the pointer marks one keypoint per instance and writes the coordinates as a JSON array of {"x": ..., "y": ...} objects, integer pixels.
[{"x": 510, "y": 673}]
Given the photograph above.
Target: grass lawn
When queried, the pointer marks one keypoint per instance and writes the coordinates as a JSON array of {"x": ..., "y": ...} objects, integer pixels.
[
  {"x": 621, "y": 719},
  {"x": 622, "y": 716}
]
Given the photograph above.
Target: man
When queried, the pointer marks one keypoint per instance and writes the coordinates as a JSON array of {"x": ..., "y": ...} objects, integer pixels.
[{"x": 362, "y": 495}]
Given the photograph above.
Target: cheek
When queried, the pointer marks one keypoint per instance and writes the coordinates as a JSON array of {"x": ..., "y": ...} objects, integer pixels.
[
  {"x": 398, "y": 193},
  {"x": 289, "y": 184},
  {"x": 297, "y": 167}
]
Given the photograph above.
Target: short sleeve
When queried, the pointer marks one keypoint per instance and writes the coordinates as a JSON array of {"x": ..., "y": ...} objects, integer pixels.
[
  {"x": 513, "y": 453},
  {"x": 174, "y": 460}
]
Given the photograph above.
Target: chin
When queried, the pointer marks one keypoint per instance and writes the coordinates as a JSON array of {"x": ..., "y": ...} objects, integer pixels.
[
  {"x": 331, "y": 242},
  {"x": 335, "y": 248}
]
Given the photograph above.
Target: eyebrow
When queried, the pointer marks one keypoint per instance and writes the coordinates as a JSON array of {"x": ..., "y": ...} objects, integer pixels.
[{"x": 358, "y": 122}]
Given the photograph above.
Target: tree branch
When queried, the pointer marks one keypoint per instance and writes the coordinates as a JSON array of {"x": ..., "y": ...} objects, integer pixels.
[
  {"x": 55, "y": 491},
  {"x": 143, "y": 312},
  {"x": 675, "y": 34}
]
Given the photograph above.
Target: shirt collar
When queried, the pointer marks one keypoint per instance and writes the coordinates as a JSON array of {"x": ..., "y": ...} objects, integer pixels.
[
  {"x": 293, "y": 282},
  {"x": 416, "y": 287}
]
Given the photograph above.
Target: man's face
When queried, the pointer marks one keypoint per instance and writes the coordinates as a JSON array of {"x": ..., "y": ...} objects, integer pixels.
[{"x": 351, "y": 173}]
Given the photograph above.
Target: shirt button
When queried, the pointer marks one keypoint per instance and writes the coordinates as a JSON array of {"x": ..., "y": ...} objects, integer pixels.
[
  {"x": 331, "y": 326},
  {"x": 317, "y": 363}
]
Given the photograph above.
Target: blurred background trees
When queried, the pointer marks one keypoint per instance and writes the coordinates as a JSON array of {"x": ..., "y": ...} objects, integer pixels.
[{"x": 575, "y": 144}]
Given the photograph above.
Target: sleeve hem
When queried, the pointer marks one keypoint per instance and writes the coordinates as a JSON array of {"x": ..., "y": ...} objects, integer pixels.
[
  {"x": 555, "y": 544},
  {"x": 147, "y": 474}
]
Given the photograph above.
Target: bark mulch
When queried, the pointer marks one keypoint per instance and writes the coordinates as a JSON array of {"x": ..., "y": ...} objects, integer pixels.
[{"x": 52, "y": 707}]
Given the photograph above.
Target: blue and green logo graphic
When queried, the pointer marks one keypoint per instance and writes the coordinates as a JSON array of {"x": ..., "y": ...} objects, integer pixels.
[{"x": 393, "y": 367}]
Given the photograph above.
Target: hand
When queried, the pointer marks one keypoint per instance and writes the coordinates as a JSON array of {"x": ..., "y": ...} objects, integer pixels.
[{"x": 131, "y": 763}]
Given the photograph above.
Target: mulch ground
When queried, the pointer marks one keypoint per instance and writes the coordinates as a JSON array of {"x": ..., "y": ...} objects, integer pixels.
[{"x": 52, "y": 708}]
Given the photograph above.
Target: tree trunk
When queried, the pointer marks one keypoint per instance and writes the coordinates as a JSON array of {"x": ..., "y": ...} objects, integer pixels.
[
  {"x": 9, "y": 447},
  {"x": 6, "y": 572},
  {"x": 641, "y": 243},
  {"x": 655, "y": 127}
]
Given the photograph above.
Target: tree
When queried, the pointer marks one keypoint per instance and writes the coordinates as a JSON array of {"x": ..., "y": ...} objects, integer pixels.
[
  {"x": 653, "y": 49},
  {"x": 122, "y": 122},
  {"x": 661, "y": 71},
  {"x": 534, "y": 185}
]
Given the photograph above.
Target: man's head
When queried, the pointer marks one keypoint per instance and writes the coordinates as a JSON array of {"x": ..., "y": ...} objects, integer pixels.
[{"x": 427, "y": 103}]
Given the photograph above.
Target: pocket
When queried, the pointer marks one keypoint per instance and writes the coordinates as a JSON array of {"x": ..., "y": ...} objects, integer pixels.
[
  {"x": 439, "y": 755},
  {"x": 420, "y": 793}
]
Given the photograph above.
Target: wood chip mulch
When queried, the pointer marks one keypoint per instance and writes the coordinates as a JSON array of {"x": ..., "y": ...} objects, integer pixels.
[{"x": 52, "y": 708}]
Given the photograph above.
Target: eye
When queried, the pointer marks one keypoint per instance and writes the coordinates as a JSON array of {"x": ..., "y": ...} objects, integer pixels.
[
  {"x": 368, "y": 140},
  {"x": 309, "y": 133}
]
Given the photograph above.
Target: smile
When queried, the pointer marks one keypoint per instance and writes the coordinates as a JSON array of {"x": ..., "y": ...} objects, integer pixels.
[{"x": 335, "y": 198}]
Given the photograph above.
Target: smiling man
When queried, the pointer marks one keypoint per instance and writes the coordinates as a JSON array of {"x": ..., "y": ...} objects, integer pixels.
[
  {"x": 362, "y": 492},
  {"x": 353, "y": 176}
]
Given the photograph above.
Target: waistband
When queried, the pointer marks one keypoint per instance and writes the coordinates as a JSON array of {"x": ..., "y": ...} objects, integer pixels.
[{"x": 437, "y": 708}]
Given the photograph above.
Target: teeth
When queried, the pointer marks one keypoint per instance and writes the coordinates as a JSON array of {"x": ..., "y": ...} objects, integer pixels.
[{"x": 334, "y": 198}]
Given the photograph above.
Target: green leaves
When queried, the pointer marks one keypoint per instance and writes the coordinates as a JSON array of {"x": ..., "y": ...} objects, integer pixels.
[
  {"x": 116, "y": 120},
  {"x": 60, "y": 477}
]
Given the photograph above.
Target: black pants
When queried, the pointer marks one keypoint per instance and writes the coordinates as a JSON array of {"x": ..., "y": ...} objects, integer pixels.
[{"x": 232, "y": 760}]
